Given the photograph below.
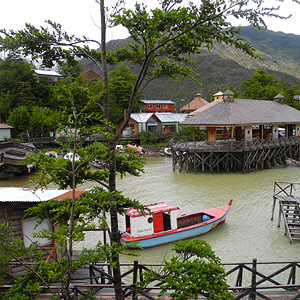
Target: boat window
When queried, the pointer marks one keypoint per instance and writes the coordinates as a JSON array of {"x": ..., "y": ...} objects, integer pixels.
[
  {"x": 150, "y": 220},
  {"x": 167, "y": 221},
  {"x": 128, "y": 229}
]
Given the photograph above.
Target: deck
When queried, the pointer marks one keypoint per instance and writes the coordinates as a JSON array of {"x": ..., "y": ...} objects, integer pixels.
[{"x": 232, "y": 155}]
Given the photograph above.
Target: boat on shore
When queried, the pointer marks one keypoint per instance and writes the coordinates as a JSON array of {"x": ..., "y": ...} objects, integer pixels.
[
  {"x": 12, "y": 156},
  {"x": 160, "y": 224},
  {"x": 168, "y": 151}
]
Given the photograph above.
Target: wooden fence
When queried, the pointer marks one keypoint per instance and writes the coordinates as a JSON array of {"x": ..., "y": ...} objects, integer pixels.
[{"x": 253, "y": 279}]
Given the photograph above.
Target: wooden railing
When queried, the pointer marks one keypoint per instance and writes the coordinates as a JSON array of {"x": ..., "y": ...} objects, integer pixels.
[
  {"x": 245, "y": 279},
  {"x": 231, "y": 145}
]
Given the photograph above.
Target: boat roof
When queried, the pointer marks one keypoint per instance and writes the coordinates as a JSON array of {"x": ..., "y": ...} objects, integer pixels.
[
  {"x": 14, "y": 194},
  {"x": 154, "y": 208}
]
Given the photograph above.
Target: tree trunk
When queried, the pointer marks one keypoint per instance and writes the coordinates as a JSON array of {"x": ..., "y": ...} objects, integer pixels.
[{"x": 114, "y": 239}]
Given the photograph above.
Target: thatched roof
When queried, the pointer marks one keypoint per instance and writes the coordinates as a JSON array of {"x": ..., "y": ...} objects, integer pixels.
[
  {"x": 194, "y": 104},
  {"x": 241, "y": 112}
]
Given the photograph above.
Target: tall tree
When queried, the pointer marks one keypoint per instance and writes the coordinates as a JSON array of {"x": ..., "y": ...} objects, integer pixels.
[
  {"x": 161, "y": 41},
  {"x": 262, "y": 86}
]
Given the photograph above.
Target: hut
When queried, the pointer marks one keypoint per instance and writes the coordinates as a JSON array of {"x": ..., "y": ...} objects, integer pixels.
[
  {"x": 195, "y": 104},
  {"x": 240, "y": 135},
  {"x": 13, "y": 204}
]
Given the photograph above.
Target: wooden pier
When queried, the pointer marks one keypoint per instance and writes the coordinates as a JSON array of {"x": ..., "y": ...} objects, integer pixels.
[
  {"x": 289, "y": 208},
  {"x": 231, "y": 155}
]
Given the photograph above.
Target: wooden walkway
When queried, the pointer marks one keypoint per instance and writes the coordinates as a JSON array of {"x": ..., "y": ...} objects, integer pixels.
[{"x": 289, "y": 208}]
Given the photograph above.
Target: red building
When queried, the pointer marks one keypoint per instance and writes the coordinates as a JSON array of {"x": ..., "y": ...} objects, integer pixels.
[{"x": 158, "y": 105}]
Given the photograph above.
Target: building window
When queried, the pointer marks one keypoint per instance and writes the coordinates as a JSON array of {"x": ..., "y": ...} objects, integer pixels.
[
  {"x": 150, "y": 106},
  {"x": 131, "y": 125},
  {"x": 165, "y": 106},
  {"x": 158, "y": 106}
]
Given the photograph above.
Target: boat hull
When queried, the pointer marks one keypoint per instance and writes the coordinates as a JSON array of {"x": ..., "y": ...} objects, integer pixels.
[{"x": 219, "y": 214}]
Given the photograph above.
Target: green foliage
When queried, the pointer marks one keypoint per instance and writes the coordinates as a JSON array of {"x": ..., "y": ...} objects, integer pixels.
[
  {"x": 19, "y": 87},
  {"x": 121, "y": 83},
  {"x": 194, "y": 271},
  {"x": 189, "y": 134},
  {"x": 19, "y": 119},
  {"x": 262, "y": 86}
]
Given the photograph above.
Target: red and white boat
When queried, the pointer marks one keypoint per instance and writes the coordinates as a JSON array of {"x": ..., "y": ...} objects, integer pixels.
[{"x": 161, "y": 225}]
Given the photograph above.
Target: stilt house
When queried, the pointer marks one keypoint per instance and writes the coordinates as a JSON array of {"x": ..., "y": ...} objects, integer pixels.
[{"x": 240, "y": 135}]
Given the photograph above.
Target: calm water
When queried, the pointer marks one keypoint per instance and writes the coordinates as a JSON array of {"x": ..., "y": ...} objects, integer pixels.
[{"x": 248, "y": 232}]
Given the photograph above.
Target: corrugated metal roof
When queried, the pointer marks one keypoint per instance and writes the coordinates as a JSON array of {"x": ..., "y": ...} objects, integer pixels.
[
  {"x": 241, "y": 112},
  {"x": 141, "y": 117},
  {"x": 171, "y": 118},
  {"x": 48, "y": 73},
  {"x": 157, "y": 101},
  {"x": 14, "y": 194}
]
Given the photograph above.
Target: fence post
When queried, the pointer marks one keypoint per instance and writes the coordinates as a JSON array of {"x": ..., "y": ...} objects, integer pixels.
[
  {"x": 253, "y": 280},
  {"x": 134, "y": 288}
]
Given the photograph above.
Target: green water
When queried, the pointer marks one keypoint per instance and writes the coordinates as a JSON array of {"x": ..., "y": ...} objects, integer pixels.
[{"x": 248, "y": 232}]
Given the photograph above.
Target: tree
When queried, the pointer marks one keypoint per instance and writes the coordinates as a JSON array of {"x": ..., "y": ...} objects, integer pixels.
[
  {"x": 19, "y": 87},
  {"x": 161, "y": 41},
  {"x": 262, "y": 86},
  {"x": 121, "y": 82},
  {"x": 19, "y": 119},
  {"x": 194, "y": 271}
]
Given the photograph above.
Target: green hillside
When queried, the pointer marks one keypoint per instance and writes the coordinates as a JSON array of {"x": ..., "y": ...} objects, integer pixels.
[{"x": 225, "y": 66}]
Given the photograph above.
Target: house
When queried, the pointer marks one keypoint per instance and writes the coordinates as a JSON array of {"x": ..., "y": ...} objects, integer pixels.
[
  {"x": 241, "y": 134},
  {"x": 242, "y": 116},
  {"x": 13, "y": 204},
  {"x": 169, "y": 122},
  {"x": 196, "y": 103},
  {"x": 161, "y": 123},
  {"x": 5, "y": 132},
  {"x": 52, "y": 76},
  {"x": 158, "y": 105},
  {"x": 90, "y": 75}
]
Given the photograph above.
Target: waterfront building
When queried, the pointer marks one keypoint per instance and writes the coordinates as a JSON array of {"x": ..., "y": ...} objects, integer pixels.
[{"x": 240, "y": 135}]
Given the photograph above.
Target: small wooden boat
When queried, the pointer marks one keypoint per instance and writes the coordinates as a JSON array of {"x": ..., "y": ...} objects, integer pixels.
[
  {"x": 12, "y": 155},
  {"x": 161, "y": 225}
]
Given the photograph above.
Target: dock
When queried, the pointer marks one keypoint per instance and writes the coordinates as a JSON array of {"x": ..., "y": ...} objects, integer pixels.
[
  {"x": 232, "y": 155},
  {"x": 289, "y": 208}
]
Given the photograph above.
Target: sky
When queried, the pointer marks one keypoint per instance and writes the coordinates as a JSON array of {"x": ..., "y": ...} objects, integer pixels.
[{"x": 81, "y": 17}]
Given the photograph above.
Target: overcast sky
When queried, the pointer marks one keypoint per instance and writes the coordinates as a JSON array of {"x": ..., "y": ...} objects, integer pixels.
[{"x": 81, "y": 17}]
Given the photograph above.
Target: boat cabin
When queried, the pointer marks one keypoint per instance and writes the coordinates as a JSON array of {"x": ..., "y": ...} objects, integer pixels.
[{"x": 160, "y": 217}]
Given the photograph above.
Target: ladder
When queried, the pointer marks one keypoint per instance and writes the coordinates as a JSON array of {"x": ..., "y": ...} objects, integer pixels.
[{"x": 290, "y": 210}]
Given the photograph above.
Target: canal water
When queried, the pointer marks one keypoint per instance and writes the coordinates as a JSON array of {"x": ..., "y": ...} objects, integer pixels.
[{"x": 248, "y": 231}]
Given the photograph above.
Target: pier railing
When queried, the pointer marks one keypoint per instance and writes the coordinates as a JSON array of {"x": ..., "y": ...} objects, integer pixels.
[
  {"x": 231, "y": 145},
  {"x": 252, "y": 279}
]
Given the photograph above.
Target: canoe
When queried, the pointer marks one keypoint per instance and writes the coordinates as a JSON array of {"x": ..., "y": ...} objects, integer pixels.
[{"x": 161, "y": 225}]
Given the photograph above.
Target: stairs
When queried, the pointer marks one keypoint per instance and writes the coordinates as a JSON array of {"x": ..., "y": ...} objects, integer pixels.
[{"x": 290, "y": 210}]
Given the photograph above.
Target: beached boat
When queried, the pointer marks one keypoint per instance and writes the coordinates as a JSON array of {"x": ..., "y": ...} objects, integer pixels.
[
  {"x": 161, "y": 225},
  {"x": 139, "y": 149},
  {"x": 168, "y": 151},
  {"x": 12, "y": 156},
  {"x": 52, "y": 154}
]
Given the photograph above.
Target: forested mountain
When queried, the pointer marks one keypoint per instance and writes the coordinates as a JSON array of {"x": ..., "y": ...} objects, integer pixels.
[{"x": 225, "y": 66}]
